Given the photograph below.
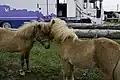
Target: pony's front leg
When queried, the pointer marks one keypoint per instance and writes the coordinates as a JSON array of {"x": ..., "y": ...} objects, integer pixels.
[
  {"x": 71, "y": 69},
  {"x": 27, "y": 61},
  {"x": 22, "y": 65},
  {"x": 67, "y": 70}
]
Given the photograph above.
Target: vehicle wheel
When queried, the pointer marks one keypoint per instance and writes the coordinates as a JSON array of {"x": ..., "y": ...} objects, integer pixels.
[{"x": 6, "y": 25}]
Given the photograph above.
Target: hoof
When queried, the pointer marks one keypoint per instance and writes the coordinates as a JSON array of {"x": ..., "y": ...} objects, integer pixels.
[
  {"x": 22, "y": 73},
  {"x": 28, "y": 71}
]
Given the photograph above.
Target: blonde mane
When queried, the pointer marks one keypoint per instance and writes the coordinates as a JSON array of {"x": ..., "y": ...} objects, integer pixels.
[
  {"x": 27, "y": 28},
  {"x": 61, "y": 31}
]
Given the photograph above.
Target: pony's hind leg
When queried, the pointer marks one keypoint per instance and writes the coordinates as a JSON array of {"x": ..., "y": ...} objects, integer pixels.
[{"x": 22, "y": 65}]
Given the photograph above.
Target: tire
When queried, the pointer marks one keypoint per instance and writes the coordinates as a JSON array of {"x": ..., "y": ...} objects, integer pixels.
[{"x": 6, "y": 25}]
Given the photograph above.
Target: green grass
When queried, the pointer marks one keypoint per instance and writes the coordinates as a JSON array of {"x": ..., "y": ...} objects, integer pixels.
[{"x": 44, "y": 64}]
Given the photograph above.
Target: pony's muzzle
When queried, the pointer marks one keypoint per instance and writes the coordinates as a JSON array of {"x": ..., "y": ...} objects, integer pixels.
[{"x": 47, "y": 45}]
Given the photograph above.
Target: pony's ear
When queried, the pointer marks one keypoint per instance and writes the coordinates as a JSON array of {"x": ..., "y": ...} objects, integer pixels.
[
  {"x": 68, "y": 37},
  {"x": 53, "y": 22}
]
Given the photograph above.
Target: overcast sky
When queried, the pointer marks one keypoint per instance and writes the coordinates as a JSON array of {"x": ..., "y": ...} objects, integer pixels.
[{"x": 109, "y": 4}]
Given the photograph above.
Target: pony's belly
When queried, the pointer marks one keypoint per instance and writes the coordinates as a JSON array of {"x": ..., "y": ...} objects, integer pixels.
[
  {"x": 82, "y": 58},
  {"x": 9, "y": 46},
  {"x": 79, "y": 54},
  {"x": 82, "y": 63},
  {"x": 9, "y": 49}
]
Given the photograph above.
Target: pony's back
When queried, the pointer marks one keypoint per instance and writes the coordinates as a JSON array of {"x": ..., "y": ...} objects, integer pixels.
[
  {"x": 26, "y": 29},
  {"x": 6, "y": 32},
  {"x": 107, "y": 54}
]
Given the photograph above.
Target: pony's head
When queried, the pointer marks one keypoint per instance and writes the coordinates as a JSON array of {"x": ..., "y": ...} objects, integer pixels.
[
  {"x": 42, "y": 33},
  {"x": 36, "y": 31},
  {"x": 60, "y": 31}
]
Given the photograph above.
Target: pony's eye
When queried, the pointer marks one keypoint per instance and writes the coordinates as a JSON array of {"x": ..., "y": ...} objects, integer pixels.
[
  {"x": 68, "y": 37},
  {"x": 39, "y": 27}
]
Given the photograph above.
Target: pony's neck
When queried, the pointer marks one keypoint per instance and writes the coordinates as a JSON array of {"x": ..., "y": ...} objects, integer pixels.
[
  {"x": 67, "y": 40},
  {"x": 26, "y": 33}
]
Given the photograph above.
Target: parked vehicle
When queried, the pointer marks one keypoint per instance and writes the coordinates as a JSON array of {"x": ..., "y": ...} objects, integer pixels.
[{"x": 13, "y": 13}]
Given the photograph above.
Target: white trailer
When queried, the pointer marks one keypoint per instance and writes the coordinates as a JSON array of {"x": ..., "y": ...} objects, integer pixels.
[
  {"x": 14, "y": 13},
  {"x": 86, "y": 9},
  {"x": 75, "y": 9},
  {"x": 71, "y": 10}
]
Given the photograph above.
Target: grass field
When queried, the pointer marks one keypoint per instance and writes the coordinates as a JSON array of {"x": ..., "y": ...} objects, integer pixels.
[{"x": 44, "y": 64}]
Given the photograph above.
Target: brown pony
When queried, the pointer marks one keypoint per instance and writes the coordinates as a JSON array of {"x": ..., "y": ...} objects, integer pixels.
[
  {"x": 22, "y": 40},
  {"x": 103, "y": 52}
]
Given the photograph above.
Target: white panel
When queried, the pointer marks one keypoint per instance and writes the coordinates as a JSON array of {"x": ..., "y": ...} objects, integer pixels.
[
  {"x": 52, "y": 1},
  {"x": 42, "y": 1},
  {"x": 49, "y": 1},
  {"x": 51, "y": 6},
  {"x": 52, "y": 9},
  {"x": 80, "y": 3},
  {"x": 71, "y": 8},
  {"x": 43, "y": 9}
]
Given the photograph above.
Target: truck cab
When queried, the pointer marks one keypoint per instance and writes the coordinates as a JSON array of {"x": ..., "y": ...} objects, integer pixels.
[
  {"x": 10, "y": 17},
  {"x": 14, "y": 13}
]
